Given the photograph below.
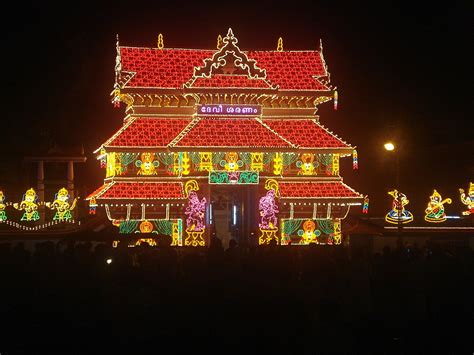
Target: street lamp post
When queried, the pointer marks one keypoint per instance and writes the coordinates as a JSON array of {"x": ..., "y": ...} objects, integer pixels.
[{"x": 389, "y": 146}]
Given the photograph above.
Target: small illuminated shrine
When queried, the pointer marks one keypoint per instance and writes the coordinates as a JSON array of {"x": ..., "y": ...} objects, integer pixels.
[{"x": 224, "y": 142}]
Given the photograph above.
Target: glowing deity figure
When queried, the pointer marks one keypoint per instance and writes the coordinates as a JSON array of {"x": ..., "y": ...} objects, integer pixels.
[
  {"x": 147, "y": 165},
  {"x": 29, "y": 205},
  {"x": 309, "y": 235},
  {"x": 3, "y": 215},
  {"x": 232, "y": 162},
  {"x": 195, "y": 212},
  {"x": 62, "y": 206},
  {"x": 268, "y": 210},
  {"x": 398, "y": 211},
  {"x": 306, "y": 164},
  {"x": 468, "y": 200},
  {"x": 435, "y": 210}
]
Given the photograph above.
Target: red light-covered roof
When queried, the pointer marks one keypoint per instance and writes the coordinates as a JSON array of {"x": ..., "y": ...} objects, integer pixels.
[
  {"x": 139, "y": 190},
  {"x": 157, "y": 132},
  {"x": 306, "y": 133},
  {"x": 230, "y": 81},
  {"x": 161, "y": 68},
  {"x": 231, "y": 132},
  {"x": 292, "y": 70},
  {"x": 172, "y": 68},
  {"x": 147, "y": 132},
  {"x": 311, "y": 189}
]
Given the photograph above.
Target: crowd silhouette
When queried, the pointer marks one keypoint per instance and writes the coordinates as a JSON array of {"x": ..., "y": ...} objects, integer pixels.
[{"x": 69, "y": 297}]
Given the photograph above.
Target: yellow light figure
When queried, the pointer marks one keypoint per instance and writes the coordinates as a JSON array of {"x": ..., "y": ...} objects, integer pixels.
[
  {"x": 435, "y": 210},
  {"x": 62, "y": 206},
  {"x": 468, "y": 199},
  {"x": 232, "y": 162},
  {"x": 335, "y": 164},
  {"x": 185, "y": 164},
  {"x": 398, "y": 212},
  {"x": 278, "y": 164},
  {"x": 147, "y": 164},
  {"x": 257, "y": 162},
  {"x": 309, "y": 236},
  {"x": 3, "y": 215},
  {"x": 306, "y": 164},
  {"x": 206, "y": 161},
  {"x": 110, "y": 170},
  {"x": 337, "y": 232},
  {"x": 29, "y": 205}
]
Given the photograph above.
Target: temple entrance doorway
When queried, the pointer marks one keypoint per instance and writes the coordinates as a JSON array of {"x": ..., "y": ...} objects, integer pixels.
[{"x": 232, "y": 213}]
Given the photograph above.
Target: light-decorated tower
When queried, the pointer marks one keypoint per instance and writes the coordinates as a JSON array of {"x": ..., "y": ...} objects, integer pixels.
[{"x": 224, "y": 141}]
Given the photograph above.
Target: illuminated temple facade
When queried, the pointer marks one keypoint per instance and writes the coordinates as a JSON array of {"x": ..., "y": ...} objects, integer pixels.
[{"x": 224, "y": 142}]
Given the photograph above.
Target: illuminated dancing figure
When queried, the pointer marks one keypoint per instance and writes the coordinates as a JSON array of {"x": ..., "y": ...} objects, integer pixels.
[
  {"x": 268, "y": 210},
  {"x": 398, "y": 212},
  {"x": 195, "y": 213},
  {"x": 435, "y": 210},
  {"x": 29, "y": 205},
  {"x": 3, "y": 215},
  {"x": 468, "y": 199},
  {"x": 62, "y": 206}
]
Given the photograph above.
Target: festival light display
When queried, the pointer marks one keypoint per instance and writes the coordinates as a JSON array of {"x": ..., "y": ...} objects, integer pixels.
[
  {"x": 62, "y": 206},
  {"x": 398, "y": 213},
  {"x": 268, "y": 213},
  {"x": 29, "y": 204},
  {"x": 365, "y": 206},
  {"x": 301, "y": 231},
  {"x": 195, "y": 213},
  {"x": 468, "y": 199},
  {"x": 202, "y": 121},
  {"x": 435, "y": 210},
  {"x": 3, "y": 215}
]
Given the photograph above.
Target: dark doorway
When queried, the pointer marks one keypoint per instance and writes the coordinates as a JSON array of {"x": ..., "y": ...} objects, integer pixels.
[{"x": 232, "y": 212}]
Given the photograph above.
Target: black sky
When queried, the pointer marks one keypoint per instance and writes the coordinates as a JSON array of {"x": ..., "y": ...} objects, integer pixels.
[{"x": 402, "y": 69}]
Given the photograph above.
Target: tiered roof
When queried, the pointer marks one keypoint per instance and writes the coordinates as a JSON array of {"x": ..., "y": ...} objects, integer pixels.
[
  {"x": 179, "y": 68},
  {"x": 316, "y": 189},
  {"x": 119, "y": 190},
  {"x": 161, "y": 133}
]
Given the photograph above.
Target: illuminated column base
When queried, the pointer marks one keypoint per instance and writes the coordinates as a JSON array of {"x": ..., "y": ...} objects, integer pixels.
[
  {"x": 194, "y": 238},
  {"x": 266, "y": 235},
  {"x": 176, "y": 235}
]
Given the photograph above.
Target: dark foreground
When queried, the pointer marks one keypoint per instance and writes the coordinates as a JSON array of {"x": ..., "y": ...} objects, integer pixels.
[{"x": 66, "y": 299}]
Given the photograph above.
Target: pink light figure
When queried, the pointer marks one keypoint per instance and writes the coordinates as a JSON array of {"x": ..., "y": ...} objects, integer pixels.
[
  {"x": 268, "y": 210},
  {"x": 195, "y": 212}
]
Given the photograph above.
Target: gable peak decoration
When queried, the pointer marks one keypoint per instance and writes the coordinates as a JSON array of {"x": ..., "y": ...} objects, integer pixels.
[{"x": 229, "y": 59}]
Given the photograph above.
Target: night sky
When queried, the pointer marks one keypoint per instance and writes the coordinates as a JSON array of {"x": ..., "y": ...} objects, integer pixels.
[{"x": 403, "y": 72}]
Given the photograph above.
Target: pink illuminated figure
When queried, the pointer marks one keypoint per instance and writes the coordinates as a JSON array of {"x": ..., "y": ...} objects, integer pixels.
[
  {"x": 195, "y": 212},
  {"x": 268, "y": 210}
]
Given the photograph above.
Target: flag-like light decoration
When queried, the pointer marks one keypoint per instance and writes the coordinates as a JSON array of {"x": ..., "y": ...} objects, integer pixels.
[
  {"x": 355, "y": 160},
  {"x": 29, "y": 204},
  {"x": 365, "y": 207},
  {"x": 92, "y": 206},
  {"x": 435, "y": 210},
  {"x": 62, "y": 206},
  {"x": 398, "y": 212},
  {"x": 335, "y": 100},
  {"x": 468, "y": 199}
]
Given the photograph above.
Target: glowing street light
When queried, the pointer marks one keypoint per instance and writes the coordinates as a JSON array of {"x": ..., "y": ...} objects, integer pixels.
[{"x": 389, "y": 146}]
